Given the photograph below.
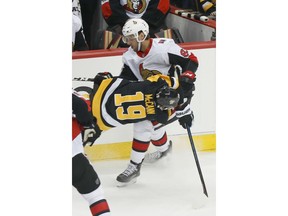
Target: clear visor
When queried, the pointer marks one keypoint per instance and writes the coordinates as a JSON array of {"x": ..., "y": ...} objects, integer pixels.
[{"x": 128, "y": 38}]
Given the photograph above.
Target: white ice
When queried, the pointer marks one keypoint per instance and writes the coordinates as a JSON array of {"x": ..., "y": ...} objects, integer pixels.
[{"x": 170, "y": 187}]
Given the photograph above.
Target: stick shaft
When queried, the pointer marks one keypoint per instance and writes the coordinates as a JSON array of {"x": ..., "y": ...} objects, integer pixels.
[
  {"x": 196, "y": 160},
  {"x": 85, "y": 79}
]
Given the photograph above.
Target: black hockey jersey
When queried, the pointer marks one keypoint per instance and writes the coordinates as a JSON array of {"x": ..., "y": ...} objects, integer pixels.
[{"x": 118, "y": 101}]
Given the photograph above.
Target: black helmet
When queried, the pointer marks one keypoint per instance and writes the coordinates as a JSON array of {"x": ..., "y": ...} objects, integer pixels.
[{"x": 167, "y": 98}]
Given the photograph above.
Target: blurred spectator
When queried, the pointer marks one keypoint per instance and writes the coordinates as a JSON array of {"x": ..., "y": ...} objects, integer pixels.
[
  {"x": 76, "y": 10},
  {"x": 88, "y": 8},
  {"x": 117, "y": 12},
  {"x": 78, "y": 39},
  {"x": 85, "y": 9},
  {"x": 207, "y": 7}
]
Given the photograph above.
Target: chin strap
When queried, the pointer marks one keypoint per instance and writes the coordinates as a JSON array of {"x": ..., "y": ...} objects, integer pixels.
[{"x": 139, "y": 46}]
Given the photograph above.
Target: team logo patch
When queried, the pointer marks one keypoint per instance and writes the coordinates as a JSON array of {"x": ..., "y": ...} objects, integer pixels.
[
  {"x": 136, "y": 6},
  {"x": 184, "y": 53},
  {"x": 145, "y": 73}
]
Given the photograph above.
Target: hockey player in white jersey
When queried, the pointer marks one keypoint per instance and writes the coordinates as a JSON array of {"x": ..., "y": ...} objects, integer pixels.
[{"x": 146, "y": 57}]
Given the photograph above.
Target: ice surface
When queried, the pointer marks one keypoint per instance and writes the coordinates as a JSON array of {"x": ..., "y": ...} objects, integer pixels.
[{"x": 170, "y": 187}]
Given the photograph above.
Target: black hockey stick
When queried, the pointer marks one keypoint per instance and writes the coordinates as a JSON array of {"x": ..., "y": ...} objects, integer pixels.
[
  {"x": 85, "y": 79},
  {"x": 168, "y": 122},
  {"x": 196, "y": 160}
]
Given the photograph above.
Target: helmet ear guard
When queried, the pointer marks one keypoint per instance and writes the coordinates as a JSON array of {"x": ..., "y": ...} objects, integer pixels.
[{"x": 167, "y": 98}]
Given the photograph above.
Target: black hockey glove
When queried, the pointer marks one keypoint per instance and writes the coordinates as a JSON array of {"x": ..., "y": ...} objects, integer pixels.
[
  {"x": 185, "y": 116},
  {"x": 90, "y": 134},
  {"x": 186, "y": 120}
]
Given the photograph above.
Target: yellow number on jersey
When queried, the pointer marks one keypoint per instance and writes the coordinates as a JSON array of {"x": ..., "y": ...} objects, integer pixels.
[{"x": 134, "y": 111}]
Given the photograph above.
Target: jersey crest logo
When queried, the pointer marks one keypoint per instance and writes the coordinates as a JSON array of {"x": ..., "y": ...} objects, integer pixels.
[
  {"x": 145, "y": 73},
  {"x": 136, "y": 6},
  {"x": 184, "y": 53}
]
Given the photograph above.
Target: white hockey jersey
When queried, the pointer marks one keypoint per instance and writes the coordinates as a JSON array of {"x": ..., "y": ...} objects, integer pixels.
[{"x": 161, "y": 57}]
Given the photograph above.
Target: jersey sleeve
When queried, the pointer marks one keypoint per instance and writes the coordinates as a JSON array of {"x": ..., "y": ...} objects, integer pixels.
[
  {"x": 156, "y": 12},
  {"x": 81, "y": 110},
  {"x": 162, "y": 116},
  {"x": 127, "y": 73},
  {"x": 179, "y": 56},
  {"x": 113, "y": 12}
]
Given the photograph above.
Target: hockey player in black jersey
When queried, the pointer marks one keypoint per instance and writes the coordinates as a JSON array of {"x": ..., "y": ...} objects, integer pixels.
[
  {"x": 84, "y": 177},
  {"x": 117, "y": 101},
  {"x": 145, "y": 57}
]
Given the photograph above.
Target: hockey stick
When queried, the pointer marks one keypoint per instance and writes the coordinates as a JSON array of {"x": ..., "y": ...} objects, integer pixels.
[
  {"x": 192, "y": 15},
  {"x": 168, "y": 122},
  {"x": 85, "y": 79},
  {"x": 196, "y": 160}
]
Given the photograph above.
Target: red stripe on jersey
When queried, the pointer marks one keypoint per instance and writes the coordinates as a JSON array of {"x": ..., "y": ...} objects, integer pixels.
[
  {"x": 106, "y": 10},
  {"x": 76, "y": 128},
  {"x": 140, "y": 145},
  {"x": 161, "y": 141},
  {"x": 88, "y": 102},
  {"x": 99, "y": 207},
  {"x": 163, "y": 6},
  {"x": 154, "y": 123}
]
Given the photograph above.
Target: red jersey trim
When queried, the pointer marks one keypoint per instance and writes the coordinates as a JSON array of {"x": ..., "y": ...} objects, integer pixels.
[
  {"x": 106, "y": 10},
  {"x": 145, "y": 53},
  {"x": 164, "y": 6},
  {"x": 99, "y": 207}
]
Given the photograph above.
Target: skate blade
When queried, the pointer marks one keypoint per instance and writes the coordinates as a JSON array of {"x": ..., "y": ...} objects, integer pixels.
[
  {"x": 125, "y": 184},
  {"x": 149, "y": 161}
]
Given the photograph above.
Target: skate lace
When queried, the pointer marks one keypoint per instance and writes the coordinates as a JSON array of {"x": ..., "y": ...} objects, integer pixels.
[{"x": 130, "y": 170}]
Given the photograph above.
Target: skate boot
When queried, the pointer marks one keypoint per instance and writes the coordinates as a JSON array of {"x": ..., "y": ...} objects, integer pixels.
[
  {"x": 129, "y": 176},
  {"x": 154, "y": 156}
]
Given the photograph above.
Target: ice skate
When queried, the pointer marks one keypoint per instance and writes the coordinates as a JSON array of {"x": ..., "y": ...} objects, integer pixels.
[
  {"x": 154, "y": 156},
  {"x": 129, "y": 176}
]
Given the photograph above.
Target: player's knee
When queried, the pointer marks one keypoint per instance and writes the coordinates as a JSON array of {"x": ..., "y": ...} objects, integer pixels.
[{"x": 84, "y": 177}]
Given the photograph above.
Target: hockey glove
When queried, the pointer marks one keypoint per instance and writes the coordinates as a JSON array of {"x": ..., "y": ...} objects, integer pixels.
[
  {"x": 90, "y": 134},
  {"x": 186, "y": 81},
  {"x": 185, "y": 116}
]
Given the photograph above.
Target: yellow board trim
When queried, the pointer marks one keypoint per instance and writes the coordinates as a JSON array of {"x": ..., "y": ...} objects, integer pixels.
[{"x": 122, "y": 150}]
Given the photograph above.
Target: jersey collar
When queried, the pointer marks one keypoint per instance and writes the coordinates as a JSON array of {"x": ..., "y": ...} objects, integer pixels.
[{"x": 145, "y": 53}]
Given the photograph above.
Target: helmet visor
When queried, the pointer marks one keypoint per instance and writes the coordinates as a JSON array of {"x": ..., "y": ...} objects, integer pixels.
[{"x": 128, "y": 38}]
